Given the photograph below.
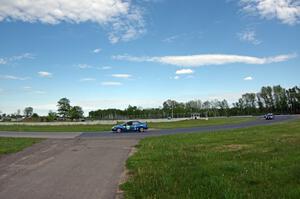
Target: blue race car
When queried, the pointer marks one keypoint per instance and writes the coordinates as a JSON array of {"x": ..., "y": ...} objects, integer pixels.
[{"x": 130, "y": 126}]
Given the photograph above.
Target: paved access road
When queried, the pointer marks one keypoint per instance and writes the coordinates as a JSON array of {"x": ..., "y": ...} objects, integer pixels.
[
  {"x": 79, "y": 165},
  {"x": 65, "y": 169}
]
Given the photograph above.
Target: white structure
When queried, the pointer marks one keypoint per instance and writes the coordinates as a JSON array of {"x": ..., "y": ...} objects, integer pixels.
[{"x": 197, "y": 116}]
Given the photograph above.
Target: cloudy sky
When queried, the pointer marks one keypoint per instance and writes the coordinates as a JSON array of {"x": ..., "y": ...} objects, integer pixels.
[{"x": 111, "y": 53}]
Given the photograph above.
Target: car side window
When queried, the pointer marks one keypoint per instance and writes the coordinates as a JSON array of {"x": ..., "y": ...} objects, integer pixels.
[{"x": 129, "y": 123}]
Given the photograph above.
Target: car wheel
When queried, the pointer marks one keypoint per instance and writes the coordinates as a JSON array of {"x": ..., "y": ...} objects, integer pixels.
[
  {"x": 141, "y": 130},
  {"x": 119, "y": 130}
]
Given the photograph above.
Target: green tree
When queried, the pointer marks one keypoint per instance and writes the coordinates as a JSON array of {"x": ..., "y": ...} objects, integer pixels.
[
  {"x": 293, "y": 95},
  {"x": 76, "y": 112},
  {"x": 51, "y": 116},
  {"x": 28, "y": 111},
  {"x": 64, "y": 108},
  {"x": 280, "y": 98},
  {"x": 260, "y": 102},
  {"x": 35, "y": 116},
  {"x": 224, "y": 107}
]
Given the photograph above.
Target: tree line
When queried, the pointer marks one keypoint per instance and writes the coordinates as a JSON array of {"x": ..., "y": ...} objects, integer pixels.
[
  {"x": 275, "y": 99},
  {"x": 64, "y": 112}
]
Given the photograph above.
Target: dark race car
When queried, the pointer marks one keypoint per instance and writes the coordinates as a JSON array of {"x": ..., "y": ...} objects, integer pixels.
[{"x": 131, "y": 126}]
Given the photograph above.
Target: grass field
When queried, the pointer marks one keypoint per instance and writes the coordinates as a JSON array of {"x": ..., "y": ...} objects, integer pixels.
[
  {"x": 12, "y": 145},
  {"x": 99, "y": 128},
  {"x": 258, "y": 162},
  {"x": 60, "y": 128},
  {"x": 199, "y": 123}
]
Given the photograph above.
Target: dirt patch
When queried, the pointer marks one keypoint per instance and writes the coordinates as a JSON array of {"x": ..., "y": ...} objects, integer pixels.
[
  {"x": 289, "y": 139},
  {"x": 232, "y": 147}
]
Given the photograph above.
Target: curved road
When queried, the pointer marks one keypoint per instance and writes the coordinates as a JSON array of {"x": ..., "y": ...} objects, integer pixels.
[{"x": 79, "y": 165}]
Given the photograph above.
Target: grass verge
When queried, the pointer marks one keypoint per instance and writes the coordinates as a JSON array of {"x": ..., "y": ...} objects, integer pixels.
[
  {"x": 199, "y": 123},
  {"x": 99, "y": 128},
  {"x": 13, "y": 145},
  {"x": 258, "y": 162},
  {"x": 60, "y": 128}
]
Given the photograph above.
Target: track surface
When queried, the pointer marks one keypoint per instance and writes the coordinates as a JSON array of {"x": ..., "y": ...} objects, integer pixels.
[{"x": 88, "y": 166}]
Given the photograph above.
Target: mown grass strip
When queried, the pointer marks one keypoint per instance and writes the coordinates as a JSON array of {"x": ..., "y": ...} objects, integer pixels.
[{"x": 200, "y": 123}]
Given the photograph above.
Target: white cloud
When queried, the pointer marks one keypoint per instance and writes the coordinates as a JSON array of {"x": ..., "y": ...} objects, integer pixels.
[
  {"x": 171, "y": 39},
  {"x": 183, "y": 36},
  {"x": 87, "y": 66},
  {"x": 106, "y": 67},
  {"x": 16, "y": 58},
  {"x": 22, "y": 56},
  {"x": 2, "y": 61},
  {"x": 45, "y": 74},
  {"x": 287, "y": 11},
  {"x": 39, "y": 92},
  {"x": 176, "y": 77},
  {"x": 111, "y": 84},
  {"x": 88, "y": 79},
  {"x": 84, "y": 66},
  {"x": 249, "y": 78},
  {"x": 184, "y": 72},
  {"x": 97, "y": 50},
  {"x": 29, "y": 89},
  {"x": 135, "y": 59},
  {"x": 249, "y": 36},
  {"x": 11, "y": 77},
  {"x": 207, "y": 59},
  {"x": 125, "y": 76},
  {"x": 123, "y": 20}
]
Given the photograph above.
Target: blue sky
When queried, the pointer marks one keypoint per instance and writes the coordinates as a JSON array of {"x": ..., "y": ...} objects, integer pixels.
[{"x": 112, "y": 53}]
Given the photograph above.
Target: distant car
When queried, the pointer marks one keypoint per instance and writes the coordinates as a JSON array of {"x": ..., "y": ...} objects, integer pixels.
[
  {"x": 269, "y": 116},
  {"x": 131, "y": 126}
]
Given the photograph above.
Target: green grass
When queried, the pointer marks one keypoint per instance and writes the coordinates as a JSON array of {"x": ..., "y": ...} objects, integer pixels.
[
  {"x": 13, "y": 145},
  {"x": 199, "y": 123},
  {"x": 99, "y": 128},
  {"x": 60, "y": 128},
  {"x": 259, "y": 162}
]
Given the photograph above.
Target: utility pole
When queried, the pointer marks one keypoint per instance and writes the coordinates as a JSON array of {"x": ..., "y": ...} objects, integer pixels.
[{"x": 172, "y": 110}]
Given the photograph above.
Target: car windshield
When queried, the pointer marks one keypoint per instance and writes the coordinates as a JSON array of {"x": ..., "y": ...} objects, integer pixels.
[{"x": 131, "y": 123}]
